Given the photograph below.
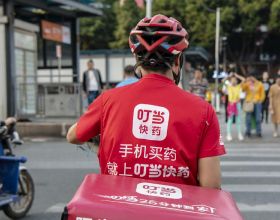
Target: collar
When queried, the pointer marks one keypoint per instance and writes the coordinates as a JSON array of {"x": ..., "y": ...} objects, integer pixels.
[{"x": 157, "y": 76}]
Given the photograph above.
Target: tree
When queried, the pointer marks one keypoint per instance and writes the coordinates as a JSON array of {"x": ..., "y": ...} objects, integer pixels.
[
  {"x": 170, "y": 8},
  {"x": 96, "y": 32},
  {"x": 127, "y": 16},
  {"x": 241, "y": 22}
]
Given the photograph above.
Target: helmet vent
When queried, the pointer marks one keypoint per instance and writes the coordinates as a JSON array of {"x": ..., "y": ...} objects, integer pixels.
[{"x": 162, "y": 21}]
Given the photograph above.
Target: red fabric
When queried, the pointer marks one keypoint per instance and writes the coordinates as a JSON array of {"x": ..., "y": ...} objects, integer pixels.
[
  {"x": 99, "y": 198},
  {"x": 232, "y": 109},
  {"x": 153, "y": 130}
]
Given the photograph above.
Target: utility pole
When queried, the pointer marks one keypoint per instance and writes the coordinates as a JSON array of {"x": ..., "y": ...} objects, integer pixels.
[
  {"x": 149, "y": 4},
  {"x": 217, "y": 41},
  {"x": 224, "y": 43}
]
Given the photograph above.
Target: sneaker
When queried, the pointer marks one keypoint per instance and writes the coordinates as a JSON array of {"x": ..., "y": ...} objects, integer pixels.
[
  {"x": 259, "y": 135},
  {"x": 229, "y": 137},
  {"x": 240, "y": 137},
  {"x": 275, "y": 134}
]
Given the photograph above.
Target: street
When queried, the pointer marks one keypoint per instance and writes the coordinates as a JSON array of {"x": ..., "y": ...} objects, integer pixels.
[{"x": 250, "y": 171}]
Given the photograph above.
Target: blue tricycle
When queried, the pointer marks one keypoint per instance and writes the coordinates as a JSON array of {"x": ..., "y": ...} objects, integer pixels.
[{"x": 16, "y": 184}]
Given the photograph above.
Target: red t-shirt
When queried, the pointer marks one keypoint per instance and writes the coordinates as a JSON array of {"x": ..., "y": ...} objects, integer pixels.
[{"x": 152, "y": 129}]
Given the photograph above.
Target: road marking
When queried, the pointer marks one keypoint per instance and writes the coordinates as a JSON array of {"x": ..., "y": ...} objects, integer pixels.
[
  {"x": 253, "y": 150},
  {"x": 247, "y": 174},
  {"x": 269, "y": 207},
  {"x": 258, "y": 155},
  {"x": 57, "y": 208},
  {"x": 251, "y": 188},
  {"x": 55, "y": 165},
  {"x": 250, "y": 163}
]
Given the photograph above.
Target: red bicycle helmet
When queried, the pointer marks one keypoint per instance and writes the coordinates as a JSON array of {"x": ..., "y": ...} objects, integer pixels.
[{"x": 158, "y": 33}]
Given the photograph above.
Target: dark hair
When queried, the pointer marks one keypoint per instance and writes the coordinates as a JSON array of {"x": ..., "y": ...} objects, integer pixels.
[
  {"x": 129, "y": 70},
  {"x": 252, "y": 73},
  {"x": 154, "y": 63},
  {"x": 198, "y": 69},
  {"x": 90, "y": 61}
]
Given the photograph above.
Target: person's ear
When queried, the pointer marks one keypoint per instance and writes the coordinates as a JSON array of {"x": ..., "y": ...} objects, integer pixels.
[{"x": 177, "y": 64}]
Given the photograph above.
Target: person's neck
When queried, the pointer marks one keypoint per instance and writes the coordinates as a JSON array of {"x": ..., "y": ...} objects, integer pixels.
[
  {"x": 129, "y": 76},
  {"x": 167, "y": 74}
]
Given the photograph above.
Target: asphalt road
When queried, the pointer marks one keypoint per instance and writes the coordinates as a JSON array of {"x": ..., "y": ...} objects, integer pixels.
[{"x": 250, "y": 171}]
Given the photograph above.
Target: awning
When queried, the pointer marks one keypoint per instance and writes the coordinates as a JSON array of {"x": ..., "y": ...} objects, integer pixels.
[
  {"x": 197, "y": 54},
  {"x": 67, "y": 8}
]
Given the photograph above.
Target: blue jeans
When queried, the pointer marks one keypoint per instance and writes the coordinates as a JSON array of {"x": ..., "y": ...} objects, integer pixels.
[
  {"x": 257, "y": 113},
  {"x": 91, "y": 96}
]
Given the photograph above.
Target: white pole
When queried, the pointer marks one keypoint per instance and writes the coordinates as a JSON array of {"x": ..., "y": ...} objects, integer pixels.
[
  {"x": 217, "y": 106},
  {"x": 149, "y": 8}
]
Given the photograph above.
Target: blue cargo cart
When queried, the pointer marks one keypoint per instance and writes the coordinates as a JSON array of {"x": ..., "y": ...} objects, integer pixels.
[{"x": 16, "y": 184}]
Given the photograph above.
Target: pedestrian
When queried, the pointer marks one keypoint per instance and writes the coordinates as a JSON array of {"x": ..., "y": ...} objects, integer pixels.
[
  {"x": 198, "y": 85},
  {"x": 129, "y": 76},
  {"x": 255, "y": 95},
  {"x": 266, "y": 83},
  {"x": 92, "y": 82},
  {"x": 152, "y": 129},
  {"x": 274, "y": 105},
  {"x": 234, "y": 105},
  {"x": 226, "y": 83}
]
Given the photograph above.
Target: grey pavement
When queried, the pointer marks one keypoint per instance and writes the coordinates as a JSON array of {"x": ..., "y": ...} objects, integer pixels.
[{"x": 251, "y": 172}]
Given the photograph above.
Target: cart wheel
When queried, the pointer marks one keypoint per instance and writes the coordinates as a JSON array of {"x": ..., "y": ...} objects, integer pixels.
[{"x": 19, "y": 208}]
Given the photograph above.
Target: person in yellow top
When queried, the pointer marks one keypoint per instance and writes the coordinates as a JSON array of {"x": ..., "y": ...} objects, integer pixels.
[
  {"x": 255, "y": 94},
  {"x": 234, "y": 106},
  {"x": 274, "y": 105}
]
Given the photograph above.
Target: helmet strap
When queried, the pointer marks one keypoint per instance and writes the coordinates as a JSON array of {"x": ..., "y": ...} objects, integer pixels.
[
  {"x": 177, "y": 76},
  {"x": 136, "y": 74}
]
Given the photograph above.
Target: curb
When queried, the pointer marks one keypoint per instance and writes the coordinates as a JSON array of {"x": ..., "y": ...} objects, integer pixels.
[{"x": 42, "y": 129}]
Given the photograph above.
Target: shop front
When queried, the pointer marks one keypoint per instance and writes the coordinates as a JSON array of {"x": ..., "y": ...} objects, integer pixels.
[{"x": 39, "y": 57}]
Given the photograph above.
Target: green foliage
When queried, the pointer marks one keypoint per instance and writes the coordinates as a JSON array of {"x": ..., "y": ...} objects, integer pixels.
[
  {"x": 240, "y": 20},
  {"x": 127, "y": 16},
  {"x": 274, "y": 18},
  {"x": 97, "y": 32},
  {"x": 170, "y": 8}
]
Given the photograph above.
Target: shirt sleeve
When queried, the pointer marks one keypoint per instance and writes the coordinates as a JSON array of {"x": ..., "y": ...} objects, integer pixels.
[
  {"x": 244, "y": 86},
  {"x": 211, "y": 144},
  {"x": 262, "y": 93},
  {"x": 89, "y": 124}
]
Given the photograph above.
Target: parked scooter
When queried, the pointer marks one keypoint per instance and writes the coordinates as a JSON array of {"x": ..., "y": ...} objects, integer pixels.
[{"x": 16, "y": 184}]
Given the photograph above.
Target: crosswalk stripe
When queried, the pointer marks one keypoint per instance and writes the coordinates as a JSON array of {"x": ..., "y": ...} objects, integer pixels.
[
  {"x": 258, "y": 155},
  {"x": 255, "y": 150},
  {"x": 270, "y": 207},
  {"x": 57, "y": 208},
  {"x": 249, "y": 174},
  {"x": 251, "y": 188},
  {"x": 249, "y": 163}
]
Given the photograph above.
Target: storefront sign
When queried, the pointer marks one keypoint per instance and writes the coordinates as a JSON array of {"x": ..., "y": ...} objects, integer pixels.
[{"x": 56, "y": 32}]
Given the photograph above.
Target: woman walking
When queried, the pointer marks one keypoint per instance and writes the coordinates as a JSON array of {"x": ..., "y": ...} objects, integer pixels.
[
  {"x": 234, "y": 105},
  {"x": 274, "y": 105}
]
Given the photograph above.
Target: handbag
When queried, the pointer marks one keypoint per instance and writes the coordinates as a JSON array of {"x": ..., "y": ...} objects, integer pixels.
[{"x": 248, "y": 106}]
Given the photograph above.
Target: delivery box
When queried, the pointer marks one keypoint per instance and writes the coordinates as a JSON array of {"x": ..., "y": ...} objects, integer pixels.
[{"x": 105, "y": 197}]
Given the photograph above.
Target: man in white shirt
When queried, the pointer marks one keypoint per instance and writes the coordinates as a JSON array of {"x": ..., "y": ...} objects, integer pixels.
[{"x": 92, "y": 83}]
